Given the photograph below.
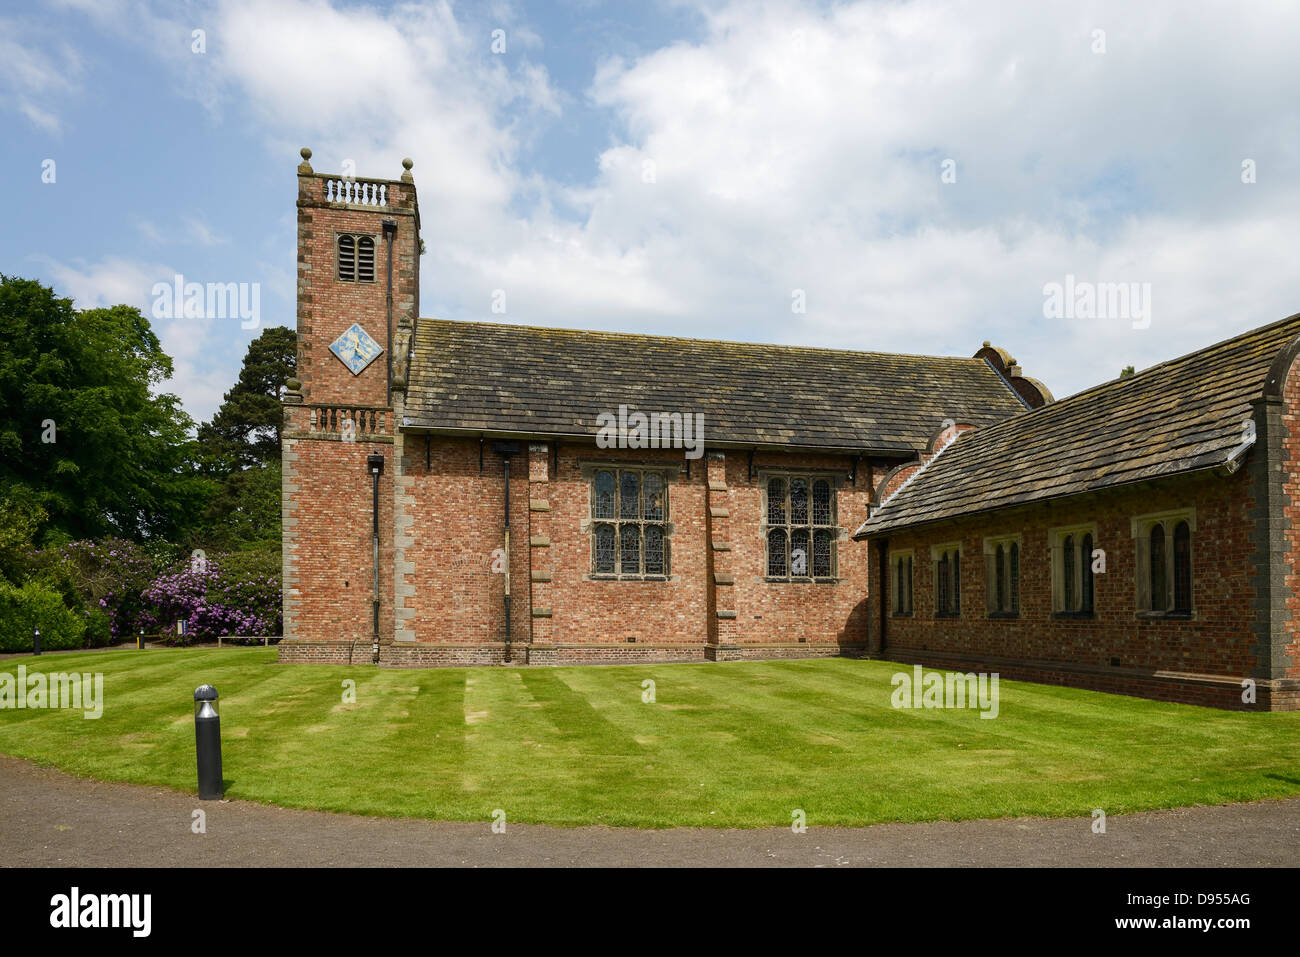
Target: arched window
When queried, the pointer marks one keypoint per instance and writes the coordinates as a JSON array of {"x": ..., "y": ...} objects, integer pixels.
[
  {"x": 629, "y": 549},
  {"x": 1068, "y": 560},
  {"x": 799, "y": 553},
  {"x": 1000, "y": 579},
  {"x": 821, "y": 500},
  {"x": 804, "y": 508},
  {"x": 942, "y": 585},
  {"x": 355, "y": 257},
  {"x": 654, "y": 550},
  {"x": 1159, "y": 579},
  {"x": 821, "y": 558},
  {"x": 654, "y": 498},
  {"x": 603, "y": 501},
  {"x": 603, "y": 561},
  {"x": 777, "y": 566},
  {"x": 1182, "y": 567},
  {"x": 1085, "y": 575},
  {"x": 629, "y": 498},
  {"x": 347, "y": 258},
  {"x": 1015, "y": 577},
  {"x": 631, "y": 540},
  {"x": 776, "y": 501},
  {"x": 799, "y": 502},
  {"x": 947, "y": 577},
  {"x": 898, "y": 585},
  {"x": 366, "y": 259}
]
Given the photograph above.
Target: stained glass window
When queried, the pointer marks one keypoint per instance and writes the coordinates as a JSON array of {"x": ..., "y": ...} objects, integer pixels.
[
  {"x": 1159, "y": 583},
  {"x": 603, "y": 503},
  {"x": 821, "y": 502},
  {"x": 604, "y": 559},
  {"x": 776, "y": 564},
  {"x": 799, "y": 502},
  {"x": 776, "y": 501},
  {"x": 799, "y": 553},
  {"x": 821, "y": 554},
  {"x": 629, "y": 549},
  {"x": 629, "y": 499},
  {"x": 799, "y": 505},
  {"x": 654, "y": 550},
  {"x": 633, "y": 543},
  {"x": 654, "y": 498}
]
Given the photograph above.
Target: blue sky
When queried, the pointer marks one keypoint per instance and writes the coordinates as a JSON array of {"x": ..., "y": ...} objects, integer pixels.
[{"x": 678, "y": 168}]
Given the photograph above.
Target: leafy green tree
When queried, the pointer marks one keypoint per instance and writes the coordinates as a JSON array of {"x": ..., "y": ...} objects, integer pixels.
[
  {"x": 23, "y": 518},
  {"x": 243, "y": 513},
  {"x": 245, "y": 431},
  {"x": 81, "y": 424}
]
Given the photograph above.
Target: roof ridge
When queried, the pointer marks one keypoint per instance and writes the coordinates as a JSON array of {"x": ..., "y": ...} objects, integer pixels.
[{"x": 722, "y": 342}]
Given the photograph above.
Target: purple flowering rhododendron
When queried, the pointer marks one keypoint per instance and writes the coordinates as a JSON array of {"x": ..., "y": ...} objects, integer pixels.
[{"x": 215, "y": 602}]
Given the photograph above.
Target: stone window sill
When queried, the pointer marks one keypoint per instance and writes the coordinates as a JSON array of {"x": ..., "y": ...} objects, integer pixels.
[
  {"x": 801, "y": 581},
  {"x": 627, "y": 578}
]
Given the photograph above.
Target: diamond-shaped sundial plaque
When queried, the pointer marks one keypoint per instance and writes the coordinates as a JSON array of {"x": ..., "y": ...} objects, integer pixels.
[{"x": 355, "y": 349}]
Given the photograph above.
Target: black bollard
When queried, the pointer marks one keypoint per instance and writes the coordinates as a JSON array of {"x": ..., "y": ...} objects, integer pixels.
[
  {"x": 207, "y": 743},
  {"x": 36, "y": 641}
]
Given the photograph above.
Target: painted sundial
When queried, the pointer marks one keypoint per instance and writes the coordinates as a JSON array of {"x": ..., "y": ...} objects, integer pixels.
[{"x": 355, "y": 349}]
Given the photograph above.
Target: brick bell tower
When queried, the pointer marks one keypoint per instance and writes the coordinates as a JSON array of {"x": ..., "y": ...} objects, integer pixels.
[{"x": 358, "y": 298}]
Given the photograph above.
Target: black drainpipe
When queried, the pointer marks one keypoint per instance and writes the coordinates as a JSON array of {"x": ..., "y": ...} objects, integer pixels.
[
  {"x": 390, "y": 230},
  {"x": 375, "y": 465},
  {"x": 505, "y": 451}
]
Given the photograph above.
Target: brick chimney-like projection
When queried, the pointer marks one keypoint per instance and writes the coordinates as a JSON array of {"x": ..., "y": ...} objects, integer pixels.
[{"x": 358, "y": 298}]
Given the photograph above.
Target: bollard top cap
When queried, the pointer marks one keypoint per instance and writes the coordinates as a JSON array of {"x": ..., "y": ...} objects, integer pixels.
[{"x": 205, "y": 693}]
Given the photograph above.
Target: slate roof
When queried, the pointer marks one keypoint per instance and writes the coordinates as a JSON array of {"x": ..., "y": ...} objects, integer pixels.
[
  {"x": 492, "y": 377},
  {"x": 1179, "y": 416}
]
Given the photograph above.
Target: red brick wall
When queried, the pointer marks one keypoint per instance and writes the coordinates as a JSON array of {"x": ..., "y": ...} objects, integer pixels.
[
  {"x": 327, "y": 505},
  {"x": 326, "y": 307},
  {"x": 457, "y": 522},
  {"x": 330, "y": 540},
  {"x": 1218, "y": 641}
]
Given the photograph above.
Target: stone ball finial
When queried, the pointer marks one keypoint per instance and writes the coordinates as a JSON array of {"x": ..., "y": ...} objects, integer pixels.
[
  {"x": 305, "y": 152},
  {"x": 304, "y": 166},
  {"x": 407, "y": 163}
]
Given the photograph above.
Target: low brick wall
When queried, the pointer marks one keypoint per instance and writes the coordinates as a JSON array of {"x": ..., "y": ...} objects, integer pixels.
[
  {"x": 1211, "y": 691},
  {"x": 300, "y": 651}
]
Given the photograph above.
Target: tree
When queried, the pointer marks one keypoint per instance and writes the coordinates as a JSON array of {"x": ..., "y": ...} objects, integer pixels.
[
  {"x": 80, "y": 425},
  {"x": 244, "y": 512},
  {"x": 245, "y": 431}
]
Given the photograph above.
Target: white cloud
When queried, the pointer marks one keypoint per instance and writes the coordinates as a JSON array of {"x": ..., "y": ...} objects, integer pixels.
[
  {"x": 36, "y": 71},
  {"x": 800, "y": 147},
  {"x": 191, "y": 343}
]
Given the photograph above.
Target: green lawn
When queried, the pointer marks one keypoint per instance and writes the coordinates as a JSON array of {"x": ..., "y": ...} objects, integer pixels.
[{"x": 737, "y": 745}]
